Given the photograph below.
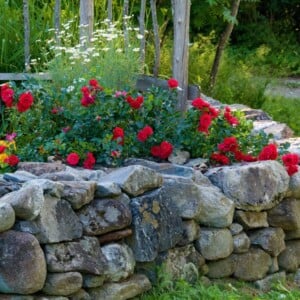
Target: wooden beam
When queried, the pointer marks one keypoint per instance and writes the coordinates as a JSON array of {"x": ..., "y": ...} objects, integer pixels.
[{"x": 24, "y": 76}]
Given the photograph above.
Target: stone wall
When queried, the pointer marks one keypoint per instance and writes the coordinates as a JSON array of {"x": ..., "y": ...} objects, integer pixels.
[{"x": 68, "y": 233}]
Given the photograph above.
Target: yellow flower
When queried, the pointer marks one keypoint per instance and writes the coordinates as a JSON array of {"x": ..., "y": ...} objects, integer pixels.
[{"x": 3, "y": 156}]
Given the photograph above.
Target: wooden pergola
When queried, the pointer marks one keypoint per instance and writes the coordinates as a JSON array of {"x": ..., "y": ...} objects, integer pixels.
[{"x": 181, "y": 19}]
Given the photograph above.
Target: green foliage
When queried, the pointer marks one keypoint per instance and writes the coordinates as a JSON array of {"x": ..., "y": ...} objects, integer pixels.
[
  {"x": 284, "y": 110},
  {"x": 166, "y": 289},
  {"x": 106, "y": 58}
]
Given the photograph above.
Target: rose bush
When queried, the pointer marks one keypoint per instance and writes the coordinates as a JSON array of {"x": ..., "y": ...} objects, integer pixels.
[{"x": 92, "y": 124}]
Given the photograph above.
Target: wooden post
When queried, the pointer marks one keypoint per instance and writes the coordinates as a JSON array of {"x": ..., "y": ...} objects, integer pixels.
[
  {"x": 142, "y": 32},
  {"x": 57, "y": 9},
  {"x": 109, "y": 11},
  {"x": 156, "y": 38},
  {"x": 125, "y": 27},
  {"x": 26, "y": 35},
  {"x": 181, "y": 17},
  {"x": 86, "y": 21}
]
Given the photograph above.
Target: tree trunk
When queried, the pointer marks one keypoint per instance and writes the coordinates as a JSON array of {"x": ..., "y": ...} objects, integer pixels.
[
  {"x": 57, "y": 9},
  {"x": 142, "y": 32},
  {"x": 156, "y": 38},
  {"x": 109, "y": 11},
  {"x": 222, "y": 44},
  {"x": 181, "y": 17},
  {"x": 125, "y": 27},
  {"x": 26, "y": 35},
  {"x": 86, "y": 21}
]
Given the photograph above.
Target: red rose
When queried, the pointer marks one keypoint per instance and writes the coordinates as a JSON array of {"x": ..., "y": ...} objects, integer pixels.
[
  {"x": 163, "y": 151},
  {"x": 213, "y": 112},
  {"x": 85, "y": 90},
  {"x": 12, "y": 160},
  {"x": 2, "y": 148},
  {"x": 94, "y": 83},
  {"x": 229, "y": 144},
  {"x": 90, "y": 161},
  {"x": 25, "y": 101},
  {"x": 290, "y": 159},
  {"x": 269, "y": 152},
  {"x": 87, "y": 100},
  {"x": 240, "y": 156},
  {"x": 229, "y": 117},
  {"x": 7, "y": 95},
  {"x": 144, "y": 133},
  {"x": 172, "y": 83},
  {"x": 291, "y": 169},
  {"x": 155, "y": 151},
  {"x": 135, "y": 103},
  {"x": 118, "y": 134},
  {"x": 166, "y": 149},
  {"x": 200, "y": 103},
  {"x": 220, "y": 158},
  {"x": 204, "y": 123},
  {"x": 73, "y": 159}
]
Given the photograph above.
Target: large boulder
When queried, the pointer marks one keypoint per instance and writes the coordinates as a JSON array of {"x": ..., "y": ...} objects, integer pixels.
[
  {"x": 78, "y": 193},
  {"x": 56, "y": 222},
  {"x": 39, "y": 168},
  {"x": 62, "y": 284},
  {"x": 120, "y": 261},
  {"x": 22, "y": 263},
  {"x": 289, "y": 258},
  {"x": 135, "y": 180},
  {"x": 104, "y": 215},
  {"x": 26, "y": 202},
  {"x": 269, "y": 239},
  {"x": 203, "y": 203},
  {"x": 214, "y": 243},
  {"x": 285, "y": 215},
  {"x": 253, "y": 186},
  {"x": 84, "y": 255},
  {"x": 156, "y": 225},
  {"x": 252, "y": 265},
  {"x": 251, "y": 219},
  {"x": 7, "y": 217},
  {"x": 134, "y": 286}
]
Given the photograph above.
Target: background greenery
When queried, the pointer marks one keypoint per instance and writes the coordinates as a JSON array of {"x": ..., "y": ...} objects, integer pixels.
[{"x": 264, "y": 45}]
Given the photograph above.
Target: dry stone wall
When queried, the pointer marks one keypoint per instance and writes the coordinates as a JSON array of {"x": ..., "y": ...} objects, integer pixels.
[{"x": 68, "y": 233}]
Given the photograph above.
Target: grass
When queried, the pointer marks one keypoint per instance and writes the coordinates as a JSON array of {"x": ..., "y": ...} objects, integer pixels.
[
  {"x": 220, "y": 290},
  {"x": 284, "y": 110}
]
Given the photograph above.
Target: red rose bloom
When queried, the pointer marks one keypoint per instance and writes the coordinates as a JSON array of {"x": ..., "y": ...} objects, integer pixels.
[
  {"x": 12, "y": 160},
  {"x": 229, "y": 117},
  {"x": 172, "y": 83},
  {"x": 118, "y": 134},
  {"x": 155, "y": 151},
  {"x": 85, "y": 90},
  {"x": 220, "y": 158},
  {"x": 144, "y": 133},
  {"x": 73, "y": 159},
  {"x": 7, "y": 95},
  {"x": 87, "y": 100},
  {"x": 2, "y": 149},
  {"x": 162, "y": 151},
  {"x": 240, "y": 156},
  {"x": 90, "y": 161},
  {"x": 115, "y": 154},
  {"x": 269, "y": 152},
  {"x": 204, "y": 123},
  {"x": 25, "y": 101},
  {"x": 291, "y": 169},
  {"x": 290, "y": 159},
  {"x": 166, "y": 149},
  {"x": 94, "y": 83},
  {"x": 229, "y": 144},
  {"x": 200, "y": 103},
  {"x": 135, "y": 103}
]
